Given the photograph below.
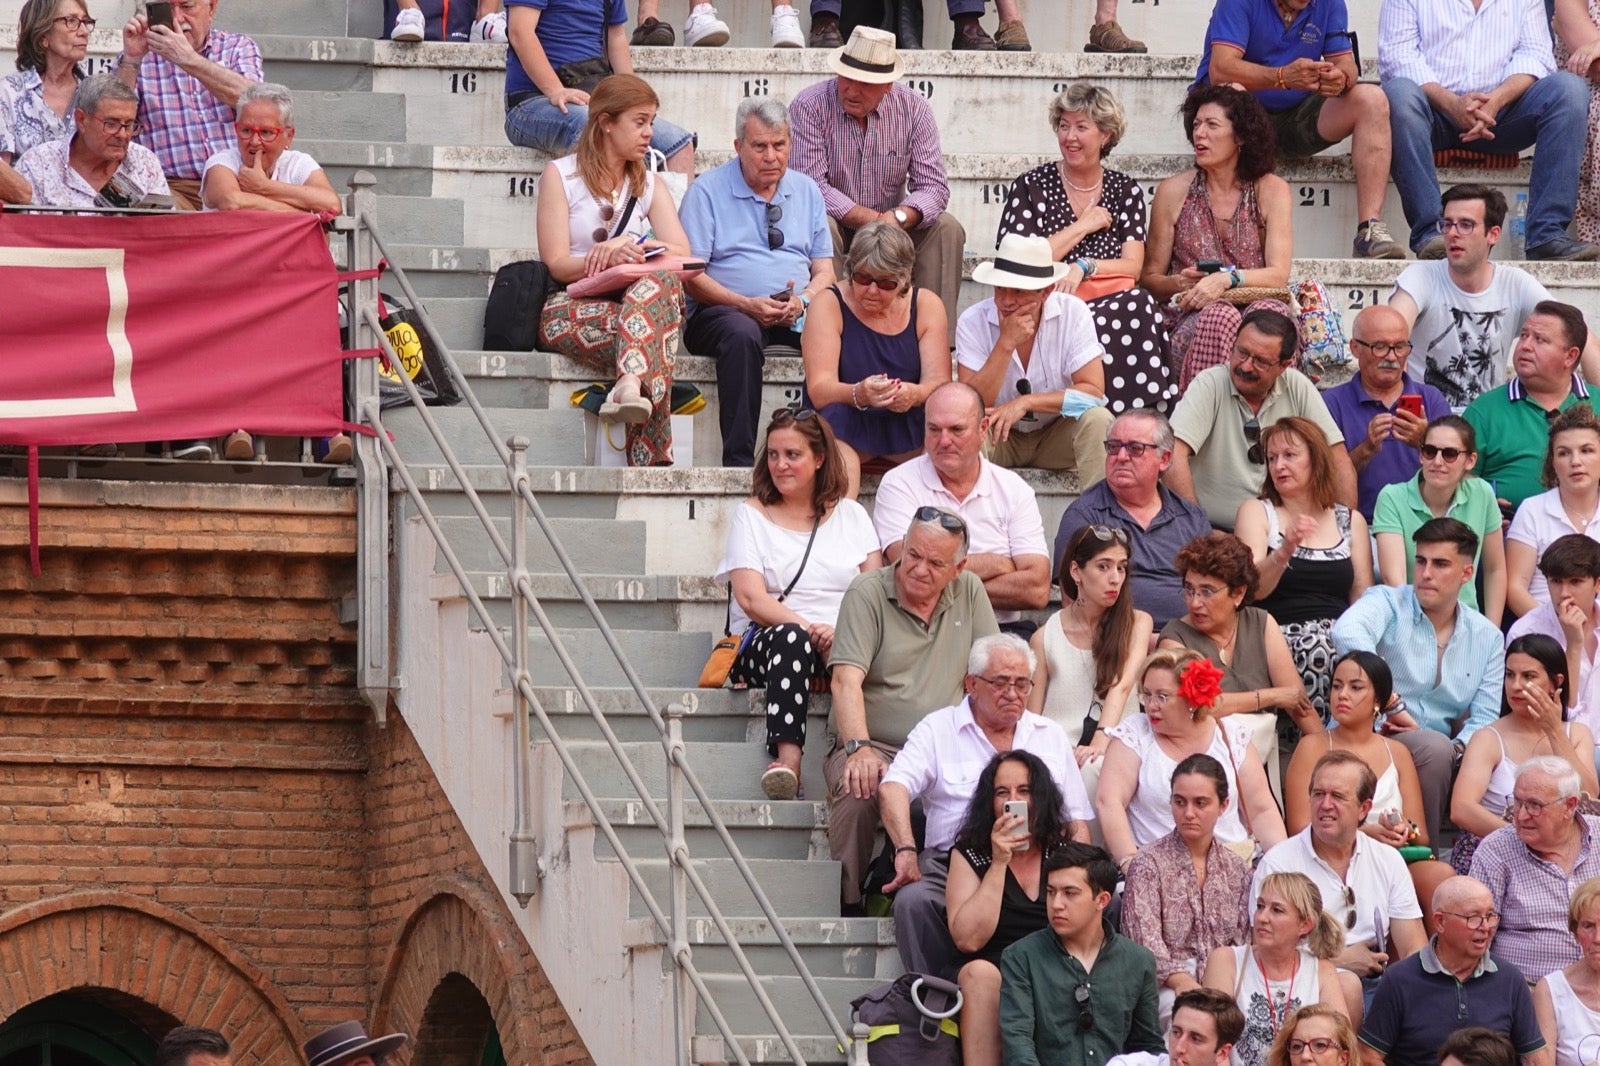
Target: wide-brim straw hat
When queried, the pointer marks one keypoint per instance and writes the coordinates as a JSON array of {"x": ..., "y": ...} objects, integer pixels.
[
  {"x": 1021, "y": 263},
  {"x": 869, "y": 55}
]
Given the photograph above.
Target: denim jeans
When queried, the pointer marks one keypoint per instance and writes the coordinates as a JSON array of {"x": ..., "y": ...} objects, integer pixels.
[
  {"x": 537, "y": 123},
  {"x": 1554, "y": 112}
]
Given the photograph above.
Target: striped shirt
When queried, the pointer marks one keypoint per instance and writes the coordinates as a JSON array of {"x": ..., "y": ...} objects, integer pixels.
[
  {"x": 1447, "y": 42},
  {"x": 1532, "y": 896},
  {"x": 1465, "y": 684},
  {"x": 893, "y": 159},
  {"x": 183, "y": 123}
]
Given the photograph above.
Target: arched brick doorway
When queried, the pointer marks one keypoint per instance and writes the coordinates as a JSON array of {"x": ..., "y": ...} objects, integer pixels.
[
  {"x": 457, "y": 1028},
  {"x": 157, "y": 964}
]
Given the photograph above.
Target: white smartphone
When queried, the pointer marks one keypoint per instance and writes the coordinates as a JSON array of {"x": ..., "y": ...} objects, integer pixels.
[{"x": 1020, "y": 809}]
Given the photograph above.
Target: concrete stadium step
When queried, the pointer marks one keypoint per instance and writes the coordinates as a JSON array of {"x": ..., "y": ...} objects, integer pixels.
[
  {"x": 727, "y": 770},
  {"x": 627, "y": 602},
  {"x": 794, "y": 1004},
  {"x": 663, "y": 658},
  {"x": 612, "y": 551},
  {"x": 802, "y": 889},
  {"x": 557, "y": 436},
  {"x": 723, "y": 715},
  {"x": 710, "y": 1050},
  {"x": 763, "y": 829},
  {"x": 831, "y": 947}
]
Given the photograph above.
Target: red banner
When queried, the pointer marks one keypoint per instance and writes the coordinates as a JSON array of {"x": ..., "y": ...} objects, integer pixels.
[{"x": 167, "y": 327}]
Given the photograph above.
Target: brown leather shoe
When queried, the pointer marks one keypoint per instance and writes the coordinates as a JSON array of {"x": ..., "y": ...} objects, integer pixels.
[
  {"x": 971, "y": 36},
  {"x": 1012, "y": 37},
  {"x": 825, "y": 32},
  {"x": 652, "y": 33},
  {"x": 1108, "y": 37}
]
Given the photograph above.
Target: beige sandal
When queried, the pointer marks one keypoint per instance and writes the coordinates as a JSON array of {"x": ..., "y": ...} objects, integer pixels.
[{"x": 1108, "y": 37}]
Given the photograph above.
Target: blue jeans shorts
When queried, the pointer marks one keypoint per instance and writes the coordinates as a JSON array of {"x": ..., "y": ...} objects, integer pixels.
[{"x": 537, "y": 123}]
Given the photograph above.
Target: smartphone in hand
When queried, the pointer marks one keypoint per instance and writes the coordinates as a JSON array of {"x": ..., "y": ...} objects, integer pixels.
[
  {"x": 159, "y": 12},
  {"x": 1411, "y": 404},
  {"x": 1020, "y": 809}
]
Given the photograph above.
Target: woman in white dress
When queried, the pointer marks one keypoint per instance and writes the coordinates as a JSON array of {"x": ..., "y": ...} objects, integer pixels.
[
  {"x": 1089, "y": 652},
  {"x": 1567, "y": 1001},
  {"x": 1285, "y": 966}
]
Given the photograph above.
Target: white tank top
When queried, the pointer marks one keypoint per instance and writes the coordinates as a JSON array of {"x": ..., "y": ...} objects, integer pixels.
[
  {"x": 584, "y": 213},
  {"x": 1577, "y": 1027}
]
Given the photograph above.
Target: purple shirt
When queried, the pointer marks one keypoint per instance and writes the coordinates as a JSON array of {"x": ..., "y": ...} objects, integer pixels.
[{"x": 1353, "y": 409}]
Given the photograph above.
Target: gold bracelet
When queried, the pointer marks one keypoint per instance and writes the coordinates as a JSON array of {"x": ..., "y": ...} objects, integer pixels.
[{"x": 1281, "y": 83}]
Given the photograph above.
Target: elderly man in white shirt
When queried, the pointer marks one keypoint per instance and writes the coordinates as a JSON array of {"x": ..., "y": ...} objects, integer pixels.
[
  {"x": 1458, "y": 75},
  {"x": 940, "y": 764},
  {"x": 1034, "y": 356}
]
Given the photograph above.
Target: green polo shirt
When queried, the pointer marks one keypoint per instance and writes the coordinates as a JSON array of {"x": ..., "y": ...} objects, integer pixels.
[
  {"x": 1210, "y": 419},
  {"x": 1513, "y": 435},
  {"x": 1401, "y": 510},
  {"x": 912, "y": 667}
]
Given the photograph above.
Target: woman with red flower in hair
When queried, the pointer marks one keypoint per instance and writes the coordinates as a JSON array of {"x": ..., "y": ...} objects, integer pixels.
[{"x": 1178, "y": 691}]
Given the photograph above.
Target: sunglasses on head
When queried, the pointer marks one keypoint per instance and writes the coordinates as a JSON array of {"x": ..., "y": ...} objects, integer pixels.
[
  {"x": 1108, "y": 534},
  {"x": 784, "y": 415},
  {"x": 1252, "y": 434},
  {"x": 948, "y": 522}
]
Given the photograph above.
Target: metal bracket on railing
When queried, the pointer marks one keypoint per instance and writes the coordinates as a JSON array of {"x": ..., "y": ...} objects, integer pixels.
[
  {"x": 678, "y": 853},
  {"x": 525, "y": 871}
]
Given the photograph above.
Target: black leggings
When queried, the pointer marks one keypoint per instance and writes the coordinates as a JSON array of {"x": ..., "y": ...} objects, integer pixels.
[{"x": 782, "y": 658}]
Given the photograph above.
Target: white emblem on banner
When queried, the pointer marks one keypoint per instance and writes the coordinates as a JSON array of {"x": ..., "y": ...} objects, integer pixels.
[{"x": 120, "y": 393}]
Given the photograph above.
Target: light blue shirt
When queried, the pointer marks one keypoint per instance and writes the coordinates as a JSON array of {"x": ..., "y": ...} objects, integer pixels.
[
  {"x": 727, "y": 227},
  {"x": 1389, "y": 622}
]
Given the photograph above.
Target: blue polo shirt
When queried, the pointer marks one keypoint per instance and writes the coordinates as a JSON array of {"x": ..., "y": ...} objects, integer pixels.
[
  {"x": 727, "y": 227},
  {"x": 1152, "y": 579},
  {"x": 1395, "y": 461},
  {"x": 569, "y": 30},
  {"x": 1318, "y": 32},
  {"x": 1418, "y": 1005}
]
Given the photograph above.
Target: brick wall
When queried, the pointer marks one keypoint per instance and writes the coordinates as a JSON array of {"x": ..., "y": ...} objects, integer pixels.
[{"x": 197, "y": 809}]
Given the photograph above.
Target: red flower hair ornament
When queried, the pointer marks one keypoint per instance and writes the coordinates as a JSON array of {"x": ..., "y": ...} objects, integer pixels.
[{"x": 1200, "y": 683}]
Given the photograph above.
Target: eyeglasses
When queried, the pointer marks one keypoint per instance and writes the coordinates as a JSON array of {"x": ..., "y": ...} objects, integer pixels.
[
  {"x": 1459, "y": 225},
  {"x": 948, "y": 522},
  {"x": 608, "y": 211},
  {"x": 865, "y": 280},
  {"x": 1134, "y": 448},
  {"x": 1475, "y": 921},
  {"x": 113, "y": 126},
  {"x": 1085, "y": 1014},
  {"x": 1155, "y": 699},
  {"x": 266, "y": 134},
  {"x": 784, "y": 415},
  {"x": 73, "y": 22},
  {"x": 1402, "y": 349},
  {"x": 1433, "y": 451},
  {"x": 774, "y": 234},
  {"x": 1246, "y": 359},
  {"x": 1204, "y": 593},
  {"x": 1020, "y": 685},
  {"x": 1108, "y": 534},
  {"x": 1252, "y": 434},
  {"x": 1533, "y": 807},
  {"x": 1318, "y": 1046}
]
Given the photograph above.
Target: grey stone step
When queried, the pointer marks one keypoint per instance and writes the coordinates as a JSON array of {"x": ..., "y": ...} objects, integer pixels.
[
  {"x": 351, "y": 116},
  {"x": 720, "y": 715},
  {"x": 763, "y": 829},
  {"x": 663, "y": 658},
  {"x": 730, "y": 771},
  {"x": 709, "y": 1050},
  {"x": 557, "y": 436},
  {"x": 831, "y": 947},
  {"x": 595, "y": 546},
  {"x": 794, "y": 888},
  {"x": 794, "y": 1004}
]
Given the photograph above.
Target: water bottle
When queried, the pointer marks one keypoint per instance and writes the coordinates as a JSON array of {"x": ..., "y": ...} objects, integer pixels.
[{"x": 1519, "y": 227}]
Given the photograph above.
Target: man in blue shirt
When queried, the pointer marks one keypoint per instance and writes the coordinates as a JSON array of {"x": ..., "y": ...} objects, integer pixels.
[
  {"x": 1297, "y": 57},
  {"x": 1383, "y": 435},
  {"x": 763, "y": 232},
  {"x": 1448, "y": 660}
]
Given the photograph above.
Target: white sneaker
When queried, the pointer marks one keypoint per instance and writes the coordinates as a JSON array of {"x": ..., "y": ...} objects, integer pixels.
[
  {"x": 409, "y": 25},
  {"x": 786, "y": 28},
  {"x": 491, "y": 29},
  {"x": 704, "y": 29}
]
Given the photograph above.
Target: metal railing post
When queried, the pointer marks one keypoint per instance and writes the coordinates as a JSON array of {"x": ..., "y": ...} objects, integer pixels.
[
  {"x": 857, "y": 1054},
  {"x": 524, "y": 845},
  {"x": 678, "y": 852}
]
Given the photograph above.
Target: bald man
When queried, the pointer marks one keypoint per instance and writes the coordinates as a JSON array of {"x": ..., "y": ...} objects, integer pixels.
[
  {"x": 1382, "y": 410},
  {"x": 1453, "y": 982}
]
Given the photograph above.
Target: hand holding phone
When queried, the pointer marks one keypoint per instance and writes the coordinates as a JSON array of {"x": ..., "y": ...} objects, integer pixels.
[
  {"x": 159, "y": 12},
  {"x": 1209, "y": 266},
  {"x": 1019, "y": 808},
  {"x": 1411, "y": 404}
]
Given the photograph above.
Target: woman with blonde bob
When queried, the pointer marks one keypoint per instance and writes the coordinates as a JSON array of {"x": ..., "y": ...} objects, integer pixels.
[
  {"x": 1567, "y": 1001},
  {"x": 600, "y": 208},
  {"x": 1319, "y": 1029},
  {"x": 1287, "y": 964}
]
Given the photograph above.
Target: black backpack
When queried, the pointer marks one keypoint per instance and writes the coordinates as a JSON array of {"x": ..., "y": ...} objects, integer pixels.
[
  {"x": 911, "y": 1021},
  {"x": 516, "y": 300}
]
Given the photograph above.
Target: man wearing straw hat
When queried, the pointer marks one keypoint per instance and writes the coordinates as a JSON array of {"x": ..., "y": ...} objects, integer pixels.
[
  {"x": 873, "y": 147},
  {"x": 347, "y": 1044},
  {"x": 1034, "y": 356}
]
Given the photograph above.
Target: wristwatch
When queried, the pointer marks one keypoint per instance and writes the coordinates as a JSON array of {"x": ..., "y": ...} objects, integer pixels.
[
  {"x": 853, "y": 746},
  {"x": 901, "y": 217}
]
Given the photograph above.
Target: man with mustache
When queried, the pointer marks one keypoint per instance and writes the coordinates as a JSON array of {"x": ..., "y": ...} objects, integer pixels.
[{"x": 1368, "y": 410}]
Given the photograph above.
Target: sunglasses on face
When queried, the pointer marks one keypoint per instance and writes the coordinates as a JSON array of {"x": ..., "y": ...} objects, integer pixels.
[
  {"x": 1134, "y": 448},
  {"x": 865, "y": 281},
  {"x": 1433, "y": 451}
]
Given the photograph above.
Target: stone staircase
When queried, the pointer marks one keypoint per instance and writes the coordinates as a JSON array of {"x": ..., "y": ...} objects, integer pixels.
[{"x": 455, "y": 203}]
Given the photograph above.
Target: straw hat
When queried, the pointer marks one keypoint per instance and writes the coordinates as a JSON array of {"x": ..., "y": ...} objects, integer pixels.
[
  {"x": 1021, "y": 263},
  {"x": 868, "y": 56}
]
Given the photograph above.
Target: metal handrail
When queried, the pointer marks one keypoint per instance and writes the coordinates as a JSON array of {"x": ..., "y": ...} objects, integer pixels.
[{"x": 670, "y": 825}]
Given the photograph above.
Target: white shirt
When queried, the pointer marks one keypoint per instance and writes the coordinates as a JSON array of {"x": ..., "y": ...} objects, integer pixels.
[
  {"x": 1462, "y": 48},
  {"x": 292, "y": 167},
  {"x": 757, "y": 543},
  {"x": 1064, "y": 343},
  {"x": 1001, "y": 511},
  {"x": 1538, "y": 522},
  {"x": 1462, "y": 341},
  {"x": 1377, "y": 877},
  {"x": 947, "y": 751}
]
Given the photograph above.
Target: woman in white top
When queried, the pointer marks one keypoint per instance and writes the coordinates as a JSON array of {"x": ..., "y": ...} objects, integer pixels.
[
  {"x": 1090, "y": 651},
  {"x": 1533, "y": 721},
  {"x": 1567, "y": 1001},
  {"x": 793, "y": 548},
  {"x": 1572, "y": 469},
  {"x": 264, "y": 173},
  {"x": 600, "y": 208},
  {"x": 1134, "y": 796},
  {"x": 1285, "y": 966}
]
